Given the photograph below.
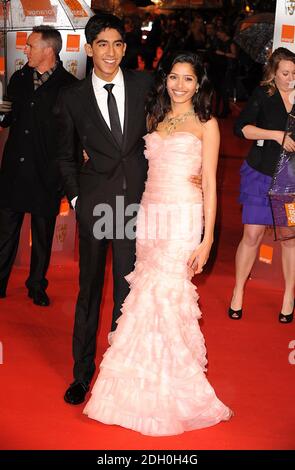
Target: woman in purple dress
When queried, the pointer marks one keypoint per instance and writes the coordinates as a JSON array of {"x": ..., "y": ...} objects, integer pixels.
[{"x": 263, "y": 120}]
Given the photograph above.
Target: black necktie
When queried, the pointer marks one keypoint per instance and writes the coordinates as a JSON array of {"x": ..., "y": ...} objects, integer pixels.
[{"x": 113, "y": 114}]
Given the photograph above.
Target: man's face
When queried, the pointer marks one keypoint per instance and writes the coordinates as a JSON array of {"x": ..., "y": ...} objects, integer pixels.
[
  {"x": 107, "y": 51},
  {"x": 36, "y": 50}
]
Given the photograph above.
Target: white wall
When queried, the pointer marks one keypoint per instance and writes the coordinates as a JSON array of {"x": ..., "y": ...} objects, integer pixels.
[{"x": 284, "y": 34}]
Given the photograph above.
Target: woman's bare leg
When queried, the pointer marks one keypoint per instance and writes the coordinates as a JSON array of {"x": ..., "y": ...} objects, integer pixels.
[
  {"x": 288, "y": 264},
  {"x": 245, "y": 257}
]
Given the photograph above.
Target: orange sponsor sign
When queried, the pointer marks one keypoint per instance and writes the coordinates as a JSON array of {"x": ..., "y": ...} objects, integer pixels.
[
  {"x": 73, "y": 42},
  {"x": 21, "y": 39},
  {"x": 64, "y": 208},
  {"x": 287, "y": 34},
  {"x": 266, "y": 254},
  {"x": 52, "y": 15},
  {"x": 2, "y": 65},
  {"x": 76, "y": 8},
  {"x": 290, "y": 213},
  {"x": 37, "y": 8}
]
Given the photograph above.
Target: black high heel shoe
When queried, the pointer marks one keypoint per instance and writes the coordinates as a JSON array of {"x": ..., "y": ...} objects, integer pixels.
[
  {"x": 287, "y": 318},
  {"x": 235, "y": 314}
]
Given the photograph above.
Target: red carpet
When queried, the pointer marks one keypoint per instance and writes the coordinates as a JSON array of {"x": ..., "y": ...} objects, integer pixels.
[{"x": 248, "y": 359}]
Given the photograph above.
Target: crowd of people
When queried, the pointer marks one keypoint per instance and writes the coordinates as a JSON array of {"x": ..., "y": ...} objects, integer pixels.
[
  {"x": 212, "y": 39},
  {"x": 150, "y": 141}
]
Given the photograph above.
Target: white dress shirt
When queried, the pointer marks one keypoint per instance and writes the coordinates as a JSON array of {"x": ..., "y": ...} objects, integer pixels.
[{"x": 101, "y": 96}]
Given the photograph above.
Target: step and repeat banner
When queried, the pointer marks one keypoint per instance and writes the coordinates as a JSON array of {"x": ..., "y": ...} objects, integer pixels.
[
  {"x": 68, "y": 16},
  {"x": 72, "y": 54},
  {"x": 284, "y": 32}
]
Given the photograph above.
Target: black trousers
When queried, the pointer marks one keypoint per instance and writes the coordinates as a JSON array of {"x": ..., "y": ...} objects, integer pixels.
[
  {"x": 42, "y": 229},
  {"x": 91, "y": 280}
]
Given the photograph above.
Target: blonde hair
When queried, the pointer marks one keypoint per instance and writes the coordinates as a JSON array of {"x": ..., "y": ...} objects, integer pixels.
[{"x": 281, "y": 53}]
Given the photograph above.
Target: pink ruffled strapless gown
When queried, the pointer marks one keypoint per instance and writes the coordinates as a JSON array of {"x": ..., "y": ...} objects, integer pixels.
[{"x": 152, "y": 378}]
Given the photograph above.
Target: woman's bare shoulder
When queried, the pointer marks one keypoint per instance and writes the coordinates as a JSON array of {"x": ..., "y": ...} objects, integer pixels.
[{"x": 211, "y": 125}]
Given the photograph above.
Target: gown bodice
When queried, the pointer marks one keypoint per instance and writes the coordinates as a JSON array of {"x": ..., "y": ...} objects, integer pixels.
[{"x": 172, "y": 161}]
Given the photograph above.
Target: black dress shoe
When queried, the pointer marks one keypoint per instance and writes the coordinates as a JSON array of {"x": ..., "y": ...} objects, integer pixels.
[
  {"x": 39, "y": 297},
  {"x": 76, "y": 392},
  {"x": 235, "y": 314},
  {"x": 287, "y": 318},
  {"x": 2, "y": 294}
]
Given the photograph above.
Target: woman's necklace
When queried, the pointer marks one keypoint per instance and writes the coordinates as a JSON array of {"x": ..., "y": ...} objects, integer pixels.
[{"x": 170, "y": 123}]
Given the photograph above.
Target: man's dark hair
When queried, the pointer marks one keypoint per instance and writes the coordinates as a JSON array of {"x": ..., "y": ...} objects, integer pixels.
[
  {"x": 98, "y": 23},
  {"x": 51, "y": 36}
]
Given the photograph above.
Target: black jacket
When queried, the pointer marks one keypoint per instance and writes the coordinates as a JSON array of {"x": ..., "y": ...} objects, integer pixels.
[
  {"x": 267, "y": 112},
  {"x": 29, "y": 177}
]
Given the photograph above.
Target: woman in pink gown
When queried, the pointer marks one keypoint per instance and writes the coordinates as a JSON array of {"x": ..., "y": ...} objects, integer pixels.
[{"x": 152, "y": 378}]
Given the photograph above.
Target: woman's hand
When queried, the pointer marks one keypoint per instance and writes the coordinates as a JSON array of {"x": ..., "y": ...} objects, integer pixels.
[
  {"x": 85, "y": 156},
  {"x": 288, "y": 143},
  {"x": 196, "y": 180},
  {"x": 199, "y": 257}
]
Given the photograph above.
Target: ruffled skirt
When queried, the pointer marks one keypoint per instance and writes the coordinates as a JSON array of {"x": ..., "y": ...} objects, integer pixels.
[
  {"x": 254, "y": 196},
  {"x": 152, "y": 378}
]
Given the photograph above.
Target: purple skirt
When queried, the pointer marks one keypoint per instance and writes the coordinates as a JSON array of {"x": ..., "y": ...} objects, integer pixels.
[{"x": 254, "y": 196}]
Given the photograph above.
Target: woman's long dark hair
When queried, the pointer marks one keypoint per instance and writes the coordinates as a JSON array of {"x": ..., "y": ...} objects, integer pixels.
[{"x": 159, "y": 103}]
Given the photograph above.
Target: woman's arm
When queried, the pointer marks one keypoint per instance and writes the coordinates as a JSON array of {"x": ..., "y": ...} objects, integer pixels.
[
  {"x": 210, "y": 150},
  {"x": 245, "y": 125},
  {"x": 252, "y": 132},
  {"x": 232, "y": 54}
]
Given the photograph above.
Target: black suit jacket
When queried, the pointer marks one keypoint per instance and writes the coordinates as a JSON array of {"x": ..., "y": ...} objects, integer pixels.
[
  {"x": 29, "y": 177},
  {"x": 110, "y": 167}
]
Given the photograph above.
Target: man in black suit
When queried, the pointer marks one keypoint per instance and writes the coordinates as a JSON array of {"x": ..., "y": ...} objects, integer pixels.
[
  {"x": 107, "y": 111},
  {"x": 29, "y": 177}
]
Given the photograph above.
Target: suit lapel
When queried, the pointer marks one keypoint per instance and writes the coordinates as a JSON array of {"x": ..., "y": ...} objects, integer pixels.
[
  {"x": 27, "y": 76},
  {"x": 94, "y": 112}
]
